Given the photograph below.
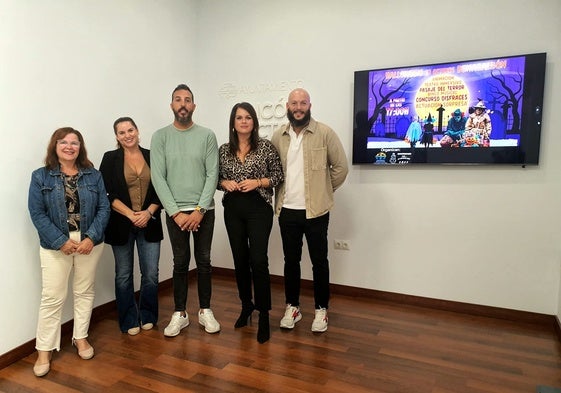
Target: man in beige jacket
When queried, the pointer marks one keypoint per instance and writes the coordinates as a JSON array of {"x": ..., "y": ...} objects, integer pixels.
[{"x": 315, "y": 165}]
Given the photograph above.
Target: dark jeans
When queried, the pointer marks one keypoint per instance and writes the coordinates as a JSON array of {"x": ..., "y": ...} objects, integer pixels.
[
  {"x": 131, "y": 315},
  {"x": 293, "y": 226},
  {"x": 249, "y": 220},
  {"x": 202, "y": 240}
]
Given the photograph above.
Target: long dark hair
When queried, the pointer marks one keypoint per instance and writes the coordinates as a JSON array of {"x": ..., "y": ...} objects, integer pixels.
[
  {"x": 253, "y": 138},
  {"x": 51, "y": 159}
]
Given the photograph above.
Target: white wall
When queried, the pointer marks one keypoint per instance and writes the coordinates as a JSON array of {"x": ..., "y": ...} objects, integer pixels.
[
  {"x": 82, "y": 64},
  {"x": 419, "y": 231},
  {"x": 422, "y": 231},
  {"x": 558, "y": 313}
]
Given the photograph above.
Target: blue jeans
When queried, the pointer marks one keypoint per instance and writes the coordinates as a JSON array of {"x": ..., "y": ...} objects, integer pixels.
[
  {"x": 131, "y": 314},
  {"x": 293, "y": 227},
  {"x": 202, "y": 241}
]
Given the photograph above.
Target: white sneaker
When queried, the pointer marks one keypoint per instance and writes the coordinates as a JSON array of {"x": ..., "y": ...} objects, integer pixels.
[
  {"x": 206, "y": 319},
  {"x": 320, "y": 321},
  {"x": 133, "y": 331},
  {"x": 176, "y": 324},
  {"x": 291, "y": 316}
]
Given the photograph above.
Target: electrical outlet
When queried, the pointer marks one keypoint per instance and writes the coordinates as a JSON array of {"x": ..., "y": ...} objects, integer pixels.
[{"x": 341, "y": 244}]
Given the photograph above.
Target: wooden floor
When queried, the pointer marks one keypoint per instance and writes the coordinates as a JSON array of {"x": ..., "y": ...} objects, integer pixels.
[{"x": 371, "y": 346}]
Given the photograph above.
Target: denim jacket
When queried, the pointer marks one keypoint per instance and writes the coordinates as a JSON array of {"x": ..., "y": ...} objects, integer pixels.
[{"x": 47, "y": 207}]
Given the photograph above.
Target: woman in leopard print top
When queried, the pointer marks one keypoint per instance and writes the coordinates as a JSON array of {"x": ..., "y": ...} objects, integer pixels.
[{"x": 249, "y": 169}]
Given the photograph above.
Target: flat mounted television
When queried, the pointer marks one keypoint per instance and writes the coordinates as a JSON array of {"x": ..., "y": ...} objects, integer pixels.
[{"x": 484, "y": 111}]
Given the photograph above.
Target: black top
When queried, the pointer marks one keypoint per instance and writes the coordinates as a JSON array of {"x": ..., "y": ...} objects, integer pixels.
[{"x": 117, "y": 232}]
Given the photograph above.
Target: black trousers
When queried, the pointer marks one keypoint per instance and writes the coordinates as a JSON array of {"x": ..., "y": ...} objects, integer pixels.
[
  {"x": 249, "y": 220},
  {"x": 202, "y": 241},
  {"x": 293, "y": 227}
]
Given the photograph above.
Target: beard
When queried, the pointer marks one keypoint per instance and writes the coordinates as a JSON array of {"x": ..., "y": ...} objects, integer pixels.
[
  {"x": 185, "y": 119},
  {"x": 299, "y": 123}
]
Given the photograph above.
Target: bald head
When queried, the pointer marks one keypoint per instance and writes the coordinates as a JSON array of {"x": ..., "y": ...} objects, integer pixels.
[{"x": 299, "y": 94}]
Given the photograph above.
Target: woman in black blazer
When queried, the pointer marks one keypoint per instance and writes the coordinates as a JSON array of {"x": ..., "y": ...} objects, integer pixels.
[{"x": 135, "y": 218}]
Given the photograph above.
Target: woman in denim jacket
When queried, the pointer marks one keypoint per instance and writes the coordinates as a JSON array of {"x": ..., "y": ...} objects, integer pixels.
[{"x": 69, "y": 207}]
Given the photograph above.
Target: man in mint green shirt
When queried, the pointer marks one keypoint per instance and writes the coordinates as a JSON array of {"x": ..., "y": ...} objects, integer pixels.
[{"x": 184, "y": 171}]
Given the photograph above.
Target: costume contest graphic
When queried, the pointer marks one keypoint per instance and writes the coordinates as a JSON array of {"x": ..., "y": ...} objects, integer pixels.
[{"x": 454, "y": 105}]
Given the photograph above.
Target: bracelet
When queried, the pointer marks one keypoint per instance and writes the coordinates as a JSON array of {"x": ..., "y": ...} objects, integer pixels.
[
  {"x": 149, "y": 212},
  {"x": 259, "y": 185}
]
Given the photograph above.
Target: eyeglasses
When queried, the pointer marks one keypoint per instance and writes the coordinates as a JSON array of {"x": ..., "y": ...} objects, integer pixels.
[{"x": 64, "y": 143}]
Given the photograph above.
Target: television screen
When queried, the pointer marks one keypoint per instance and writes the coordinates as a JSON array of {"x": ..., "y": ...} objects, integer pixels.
[{"x": 485, "y": 111}]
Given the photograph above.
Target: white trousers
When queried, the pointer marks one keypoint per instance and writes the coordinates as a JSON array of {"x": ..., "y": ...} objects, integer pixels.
[{"x": 55, "y": 269}]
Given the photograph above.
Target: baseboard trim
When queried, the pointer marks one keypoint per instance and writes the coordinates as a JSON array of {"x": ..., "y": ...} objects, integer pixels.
[
  {"x": 544, "y": 320},
  {"x": 445, "y": 305},
  {"x": 98, "y": 313}
]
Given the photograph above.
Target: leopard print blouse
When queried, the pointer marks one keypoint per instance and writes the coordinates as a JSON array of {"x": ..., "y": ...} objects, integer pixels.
[{"x": 264, "y": 162}]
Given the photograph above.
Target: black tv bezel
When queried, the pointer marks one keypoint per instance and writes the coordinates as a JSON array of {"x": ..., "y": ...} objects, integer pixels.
[{"x": 526, "y": 153}]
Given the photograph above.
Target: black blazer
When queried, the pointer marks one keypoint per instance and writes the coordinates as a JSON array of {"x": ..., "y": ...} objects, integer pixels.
[{"x": 112, "y": 169}]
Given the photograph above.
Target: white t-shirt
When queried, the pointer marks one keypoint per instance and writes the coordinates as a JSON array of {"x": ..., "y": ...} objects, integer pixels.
[{"x": 295, "y": 192}]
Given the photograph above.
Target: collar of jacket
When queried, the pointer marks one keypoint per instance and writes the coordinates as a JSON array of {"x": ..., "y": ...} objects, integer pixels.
[{"x": 57, "y": 172}]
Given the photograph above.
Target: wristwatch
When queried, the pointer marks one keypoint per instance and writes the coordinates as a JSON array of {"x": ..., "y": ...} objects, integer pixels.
[{"x": 201, "y": 210}]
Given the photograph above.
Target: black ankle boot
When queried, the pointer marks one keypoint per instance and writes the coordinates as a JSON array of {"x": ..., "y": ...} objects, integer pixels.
[
  {"x": 245, "y": 315},
  {"x": 263, "y": 331}
]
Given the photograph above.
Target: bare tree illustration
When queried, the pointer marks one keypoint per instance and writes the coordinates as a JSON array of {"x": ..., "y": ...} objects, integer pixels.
[
  {"x": 382, "y": 95},
  {"x": 508, "y": 93}
]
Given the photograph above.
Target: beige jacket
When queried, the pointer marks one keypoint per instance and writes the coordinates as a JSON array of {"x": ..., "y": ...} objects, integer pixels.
[{"x": 325, "y": 166}]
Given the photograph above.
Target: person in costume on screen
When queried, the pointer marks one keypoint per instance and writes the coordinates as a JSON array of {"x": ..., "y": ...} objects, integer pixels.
[
  {"x": 479, "y": 124},
  {"x": 454, "y": 130},
  {"x": 414, "y": 132},
  {"x": 428, "y": 132}
]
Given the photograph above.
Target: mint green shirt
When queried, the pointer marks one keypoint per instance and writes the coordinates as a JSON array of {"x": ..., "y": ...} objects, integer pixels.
[{"x": 184, "y": 167}]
